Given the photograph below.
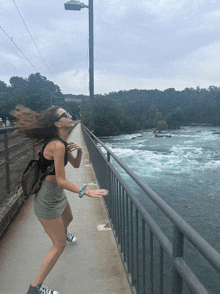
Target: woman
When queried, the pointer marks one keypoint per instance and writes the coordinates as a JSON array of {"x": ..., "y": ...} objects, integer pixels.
[{"x": 50, "y": 128}]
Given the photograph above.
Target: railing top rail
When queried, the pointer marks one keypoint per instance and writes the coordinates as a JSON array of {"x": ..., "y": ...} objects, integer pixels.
[
  {"x": 2, "y": 130},
  {"x": 200, "y": 243}
]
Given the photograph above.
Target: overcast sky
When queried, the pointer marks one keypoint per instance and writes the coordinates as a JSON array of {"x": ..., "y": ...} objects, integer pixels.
[{"x": 143, "y": 44}]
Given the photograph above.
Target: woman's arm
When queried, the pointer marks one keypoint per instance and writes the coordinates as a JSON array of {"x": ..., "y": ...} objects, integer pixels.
[
  {"x": 75, "y": 161},
  {"x": 58, "y": 155}
]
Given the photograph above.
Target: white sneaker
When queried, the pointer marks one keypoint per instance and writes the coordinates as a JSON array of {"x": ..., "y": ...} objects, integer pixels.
[
  {"x": 45, "y": 290},
  {"x": 40, "y": 289},
  {"x": 70, "y": 238}
]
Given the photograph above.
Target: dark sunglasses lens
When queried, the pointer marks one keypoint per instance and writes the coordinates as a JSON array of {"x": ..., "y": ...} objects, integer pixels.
[{"x": 65, "y": 114}]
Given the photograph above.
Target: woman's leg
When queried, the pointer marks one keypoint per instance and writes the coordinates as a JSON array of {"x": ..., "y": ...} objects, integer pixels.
[
  {"x": 56, "y": 231},
  {"x": 67, "y": 216}
]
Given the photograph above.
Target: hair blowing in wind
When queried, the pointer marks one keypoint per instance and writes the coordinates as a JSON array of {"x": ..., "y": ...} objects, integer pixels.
[{"x": 36, "y": 127}]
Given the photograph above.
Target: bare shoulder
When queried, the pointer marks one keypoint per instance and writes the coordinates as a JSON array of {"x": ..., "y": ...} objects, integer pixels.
[{"x": 54, "y": 147}]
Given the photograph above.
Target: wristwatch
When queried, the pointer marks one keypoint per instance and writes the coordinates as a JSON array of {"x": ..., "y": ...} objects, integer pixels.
[{"x": 81, "y": 190}]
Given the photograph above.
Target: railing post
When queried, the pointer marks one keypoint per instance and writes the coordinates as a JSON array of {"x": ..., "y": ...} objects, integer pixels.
[
  {"x": 132, "y": 242},
  {"x": 151, "y": 262},
  {"x": 111, "y": 207},
  {"x": 137, "y": 251},
  {"x": 143, "y": 229},
  {"x": 128, "y": 234},
  {"x": 108, "y": 181},
  {"x": 124, "y": 225},
  {"x": 7, "y": 171},
  {"x": 178, "y": 240},
  {"x": 34, "y": 152},
  {"x": 108, "y": 172},
  {"x": 161, "y": 270},
  {"x": 108, "y": 156}
]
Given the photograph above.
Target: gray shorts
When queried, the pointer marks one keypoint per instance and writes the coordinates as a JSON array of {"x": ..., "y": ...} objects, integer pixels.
[{"x": 50, "y": 201}]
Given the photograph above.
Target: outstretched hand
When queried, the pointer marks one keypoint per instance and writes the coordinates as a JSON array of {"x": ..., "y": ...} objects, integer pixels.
[{"x": 97, "y": 193}]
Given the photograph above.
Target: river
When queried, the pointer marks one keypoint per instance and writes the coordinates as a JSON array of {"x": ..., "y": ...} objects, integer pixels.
[{"x": 184, "y": 171}]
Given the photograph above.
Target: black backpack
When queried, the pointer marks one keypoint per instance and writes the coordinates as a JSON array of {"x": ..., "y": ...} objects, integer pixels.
[{"x": 33, "y": 177}]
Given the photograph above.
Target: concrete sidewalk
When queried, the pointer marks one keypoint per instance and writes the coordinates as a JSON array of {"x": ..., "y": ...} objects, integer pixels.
[{"x": 91, "y": 266}]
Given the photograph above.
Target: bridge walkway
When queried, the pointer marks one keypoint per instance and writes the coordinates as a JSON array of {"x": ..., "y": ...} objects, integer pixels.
[{"x": 91, "y": 266}]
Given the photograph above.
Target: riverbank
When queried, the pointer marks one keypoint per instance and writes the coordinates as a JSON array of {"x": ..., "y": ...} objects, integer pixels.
[{"x": 168, "y": 131}]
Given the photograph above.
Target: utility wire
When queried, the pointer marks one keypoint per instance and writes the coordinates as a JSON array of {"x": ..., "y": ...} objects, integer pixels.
[
  {"x": 31, "y": 35},
  {"x": 18, "y": 48}
]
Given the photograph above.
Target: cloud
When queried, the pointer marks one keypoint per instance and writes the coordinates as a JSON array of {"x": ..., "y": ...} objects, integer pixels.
[
  {"x": 78, "y": 82},
  {"x": 73, "y": 81},
  {"x": 140, "y": 44},
  {"x": 10, "y": 58},
  {"x": 202, "y": 65}
]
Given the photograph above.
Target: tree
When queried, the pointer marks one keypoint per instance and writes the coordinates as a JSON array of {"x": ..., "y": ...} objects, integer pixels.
[
  {"x": 18, "y": 83},
  {"x": 42, "y": 93},
  {"x": 117, "y": 112},
  {"x": 6, "y": 104},
  {"x": 73, "y": 108},
  {"x": 175, "y": 118},
  {"x": 109, "y": 118},
  {"x": 3, "y": 87},
  {"x": 162, "y": 125},
  {"x": 154, "y": 116},
  {"x": 36, "y": 92}
]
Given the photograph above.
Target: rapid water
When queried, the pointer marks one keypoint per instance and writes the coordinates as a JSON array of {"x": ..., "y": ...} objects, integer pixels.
[{"x": 184, "y": 170}]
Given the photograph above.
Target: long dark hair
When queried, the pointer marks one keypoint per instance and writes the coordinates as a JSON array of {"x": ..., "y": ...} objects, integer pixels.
[{"x": 36, "y": 127}]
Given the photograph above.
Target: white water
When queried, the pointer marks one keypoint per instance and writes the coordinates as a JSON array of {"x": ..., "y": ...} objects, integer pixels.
[{"x": 184, "y": 170}]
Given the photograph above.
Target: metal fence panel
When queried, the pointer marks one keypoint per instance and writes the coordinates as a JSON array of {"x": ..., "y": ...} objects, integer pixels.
[
  {"x": 148, "y": 255},
  {"x": 15, "y": 154}
]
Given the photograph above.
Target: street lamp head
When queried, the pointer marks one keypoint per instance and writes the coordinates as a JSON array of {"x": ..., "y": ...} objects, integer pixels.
[{"x": 74, "y": 5}]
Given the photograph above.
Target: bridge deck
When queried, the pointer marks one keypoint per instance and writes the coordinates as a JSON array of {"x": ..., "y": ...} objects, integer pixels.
[{"x": 91, "y": 266}]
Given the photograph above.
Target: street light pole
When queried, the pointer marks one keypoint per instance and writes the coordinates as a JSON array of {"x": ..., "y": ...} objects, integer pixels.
[
  {"x": 91, "y": 63},
  {"x": 77, "y": 5}
]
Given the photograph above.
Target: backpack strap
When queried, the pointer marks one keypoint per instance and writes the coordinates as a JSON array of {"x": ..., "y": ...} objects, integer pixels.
[{"x": 48, "y": 170}]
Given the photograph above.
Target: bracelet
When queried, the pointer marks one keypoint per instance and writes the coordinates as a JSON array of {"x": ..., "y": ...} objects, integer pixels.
[{"x": 81, "y": 190}]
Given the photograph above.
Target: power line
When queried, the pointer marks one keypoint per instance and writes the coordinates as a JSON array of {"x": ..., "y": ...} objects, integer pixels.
[
  {"x": 19, "y": 49},
  {"x": 31, "y": 35}
]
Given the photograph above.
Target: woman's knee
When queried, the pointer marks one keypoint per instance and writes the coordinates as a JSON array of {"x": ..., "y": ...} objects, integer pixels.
[{"x": 60, "y": 246}]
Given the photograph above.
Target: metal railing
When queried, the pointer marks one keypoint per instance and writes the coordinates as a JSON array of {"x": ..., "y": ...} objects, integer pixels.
[
  {"x": 14, "y": 156},
  {"x": 150, "y": 267}
]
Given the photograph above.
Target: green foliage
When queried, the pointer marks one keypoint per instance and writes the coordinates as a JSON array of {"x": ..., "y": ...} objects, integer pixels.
[
  {"x": 175, "y": 118},
  {"x": 162, "y": 125},
  {"x": 6, "y": 104},
  {"x": 149, "y": 107},
  {"x": 74, "y": 109},
  {"x": 35, "y": 92},
  {"x": 109, "y": 118},
  {"x": 118, "y": 112},
  {"x": 73, "y": 104},
  {"x": 154, "y": 116}
]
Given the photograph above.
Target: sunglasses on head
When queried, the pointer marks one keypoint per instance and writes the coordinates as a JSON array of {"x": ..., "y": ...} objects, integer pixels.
[{"x": 65, "y": 114}]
